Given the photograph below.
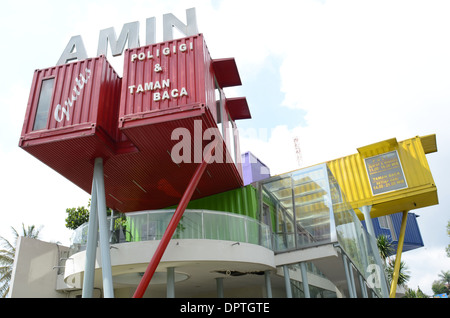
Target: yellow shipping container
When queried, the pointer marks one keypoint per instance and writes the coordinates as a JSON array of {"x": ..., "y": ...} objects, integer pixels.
[{"x": 389, "y": 176}]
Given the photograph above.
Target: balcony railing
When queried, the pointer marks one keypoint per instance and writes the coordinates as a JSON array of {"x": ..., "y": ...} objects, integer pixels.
[{"x": 195, "y": 224}]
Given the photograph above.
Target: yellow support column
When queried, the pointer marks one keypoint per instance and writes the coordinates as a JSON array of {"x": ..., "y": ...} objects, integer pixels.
[{"x": 399, "y": 255}]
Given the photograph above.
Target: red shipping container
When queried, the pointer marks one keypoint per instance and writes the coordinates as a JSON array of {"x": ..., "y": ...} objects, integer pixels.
[
  {"x": 169, "y": 86},
  {"x": 72, "y": 100},
  {"x": 83, "y": 110},
  {"x": 72, "y": 117},
  {"x": 160, "y": 78}
]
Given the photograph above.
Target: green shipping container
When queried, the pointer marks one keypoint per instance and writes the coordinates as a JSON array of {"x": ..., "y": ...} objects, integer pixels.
[{"x": 240, "y": 201}]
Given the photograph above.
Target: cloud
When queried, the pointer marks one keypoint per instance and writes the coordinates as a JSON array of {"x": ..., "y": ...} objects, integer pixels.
[{"x": 424, "y": 265}]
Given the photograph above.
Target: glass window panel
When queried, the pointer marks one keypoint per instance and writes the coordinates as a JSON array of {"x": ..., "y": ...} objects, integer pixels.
[{"x": 45, "y": 98}]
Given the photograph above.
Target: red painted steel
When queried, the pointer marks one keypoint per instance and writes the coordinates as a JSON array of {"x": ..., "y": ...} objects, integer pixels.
[
  {"x": 226, "y": 71},
  {"x": 162, "y": 246},
  {"x": 162, "y": 77},
  {"x": 131, "y": 132},
  {"x": 88, "y": 90},
  {"x": 238, "y": 108}
]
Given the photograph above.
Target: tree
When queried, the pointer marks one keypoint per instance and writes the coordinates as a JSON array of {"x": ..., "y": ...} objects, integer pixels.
[
  {"x": 385, "y": 249},
  {"x": 442, "y": 286},
  {"x": 80, "y": 215},
  {"x": 384, "y": 245},
  {"x": 7, "y": 254},
  {"x": 403, "y": 276},
  {"x": 76, "y": 217},
  {"x": 410, "y": 293}
]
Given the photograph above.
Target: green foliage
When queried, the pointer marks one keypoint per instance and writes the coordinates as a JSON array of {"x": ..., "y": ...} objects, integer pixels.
[
  {"x": 410, "y": 293},
  {"x": 384, "y": 245},
  {"x": 403, "y": 274},
  {"x": 442, "y": 286},
  {"x": 76, "y": 217}
]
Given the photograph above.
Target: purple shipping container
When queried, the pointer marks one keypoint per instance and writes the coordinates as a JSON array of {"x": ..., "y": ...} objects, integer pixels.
[{"x": 253, "y": 169}]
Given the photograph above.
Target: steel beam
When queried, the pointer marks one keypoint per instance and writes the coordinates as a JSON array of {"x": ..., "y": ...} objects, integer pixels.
[
  {"x": 398, "y": 257},
  {"x": 154, "y": 262}
]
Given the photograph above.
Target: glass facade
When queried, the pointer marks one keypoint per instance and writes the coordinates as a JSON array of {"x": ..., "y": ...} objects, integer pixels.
[
  {"x": 302, "y": 204},
  {"x": 294, "y": 211},
  {"x": 310, "y": 210}
]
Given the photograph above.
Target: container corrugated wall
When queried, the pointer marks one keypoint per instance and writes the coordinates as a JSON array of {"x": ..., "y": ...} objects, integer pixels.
[
  {"x": 413, "y": 237},
  {"x": 71, "y": 98},
  {"x": 240, "y": 201},
  {"x": 167, "y": 77},
  {"x": 352, "y": 176}
]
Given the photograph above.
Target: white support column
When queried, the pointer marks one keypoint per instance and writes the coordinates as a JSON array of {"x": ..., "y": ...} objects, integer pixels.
[
  {"x": 108, "y": 290},
  {"x": 219, "y": 287},
  {"x": 363, "y": 286},
  {"x": 369, "y": 225},
  {"x": 368, "y": 219},
  {"x": 287, "y": 281},
  {"x": 98, "y": 221},
  {"x": 305, "y": 280},
  {"x": 171, "y": 282},
  {"x": 352, "y": 279},
  {"x": 91, "y": 246},
  {"x": 348, "y": 275},
  {"x": 268, "y": 284}
]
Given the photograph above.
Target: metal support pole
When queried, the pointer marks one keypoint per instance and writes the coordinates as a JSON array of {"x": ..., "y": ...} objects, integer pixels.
[
  {"x": 111, "y": 227},
  {"x": 352, "y": 279},
  {"x": 287, "y": 281},
  {"x": 98, "y": 221},
  {"x": 305, "y": 280},
  {"x": 363, "y": 286},
  {"x": 268, "y": 284},
  {"x": 372, "y": 242},
  {"x": 170, "y": 282},
  {"x": 398, "y": 257},
  {"x": 91, "y": 246},
  {"x": 219, "y": 287},
  {"x": 108, "y": 290},
  {"x": 173, "y": 223},
  {"x": 369, "y": 225},
  {"x": 348, "y": 276}
]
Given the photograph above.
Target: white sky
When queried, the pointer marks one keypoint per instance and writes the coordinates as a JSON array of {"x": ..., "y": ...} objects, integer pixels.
[{"x": 336, "y": 74}]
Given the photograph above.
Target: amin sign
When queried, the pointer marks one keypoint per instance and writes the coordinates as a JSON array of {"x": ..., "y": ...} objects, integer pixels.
[{"x": 75, "y": 49}]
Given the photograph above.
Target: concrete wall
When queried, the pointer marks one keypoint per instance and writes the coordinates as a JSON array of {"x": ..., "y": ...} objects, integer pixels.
[{"x": 34, "y": 270}]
